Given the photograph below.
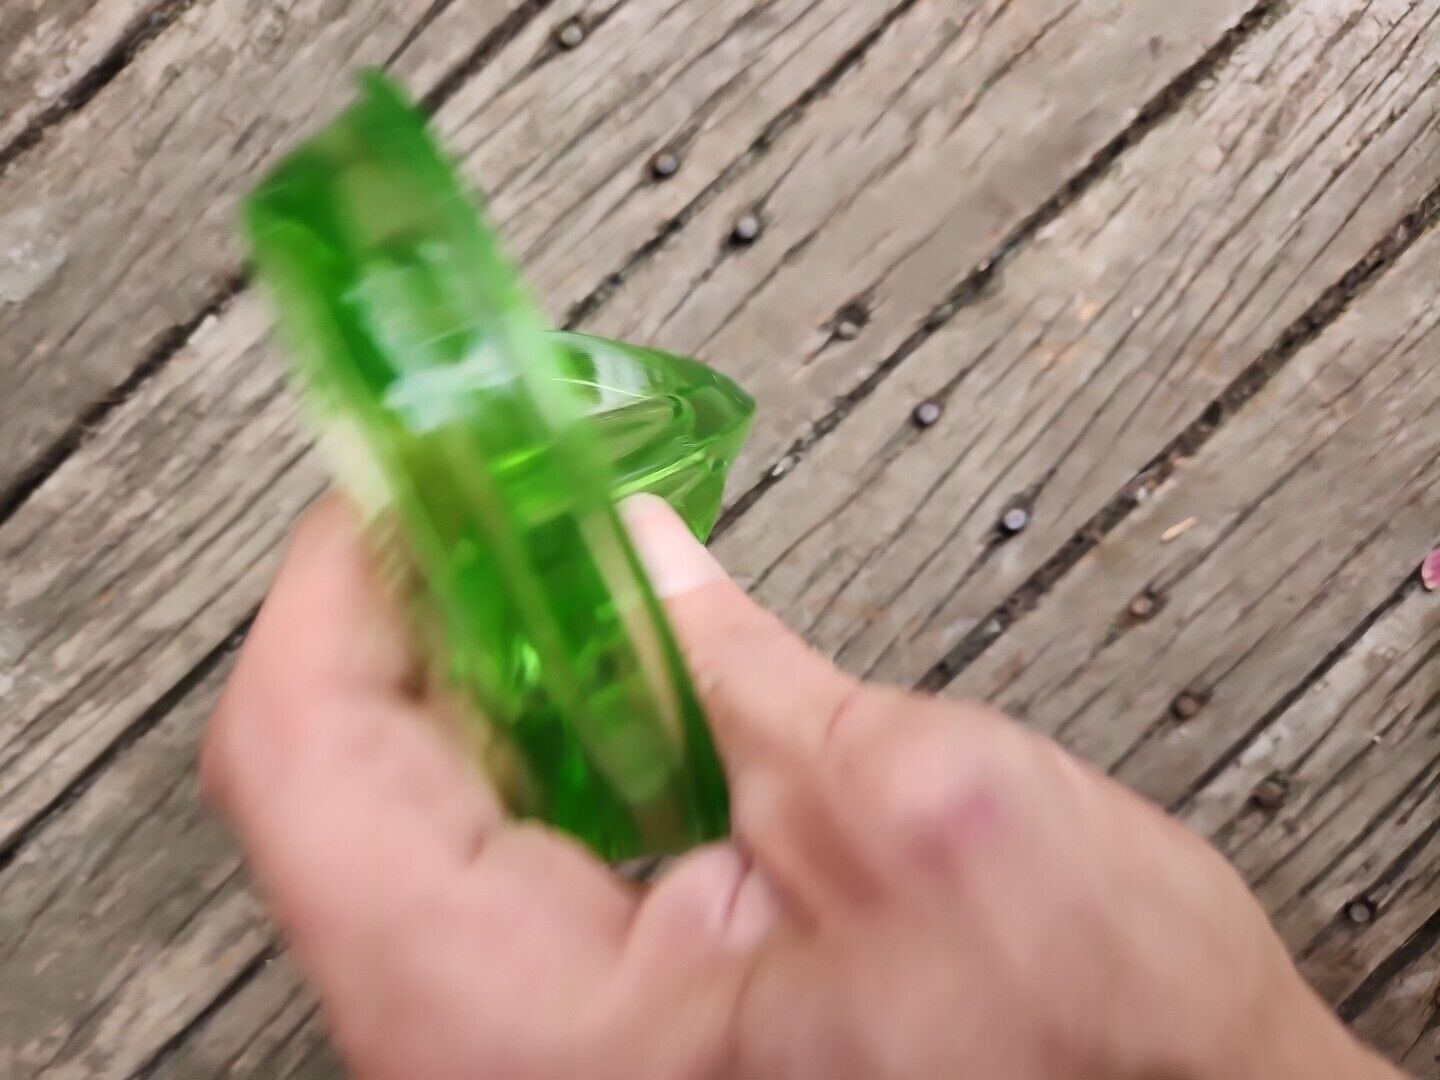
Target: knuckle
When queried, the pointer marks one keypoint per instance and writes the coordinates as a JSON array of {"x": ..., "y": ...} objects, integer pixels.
[{"x": 945, "y": 790}]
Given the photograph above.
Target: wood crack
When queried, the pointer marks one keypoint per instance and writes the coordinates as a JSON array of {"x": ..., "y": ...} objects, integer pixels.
[
  {"x": 178, "y": 336},
  {"x": 976, "y": 284},
  {"x": 131, "y": 735},
  {"x": 1380, "y": 979},
  {"x": 1325, "y": 310},
  {"x": 587, "y": 306},
  {"x": 143, "y": 29},
  {"x": 242, "y": 978}
]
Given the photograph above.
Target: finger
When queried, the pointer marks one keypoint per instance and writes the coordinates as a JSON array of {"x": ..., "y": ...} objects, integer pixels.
[
  {"x": 541, "y": 873},
  {"x": 712, "y": 900},
  {"x": 693, "y": 943},
  {"x": 330, "y": 642},
  {"x": 775, "y": 707},
  {"x": 329, "y": 619},
  {"x": 767, "y": 693},
  {"x": 340, "y": 789}
]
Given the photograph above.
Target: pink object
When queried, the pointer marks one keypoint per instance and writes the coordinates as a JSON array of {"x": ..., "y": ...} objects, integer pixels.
[{"x": 1430, "y": 570}]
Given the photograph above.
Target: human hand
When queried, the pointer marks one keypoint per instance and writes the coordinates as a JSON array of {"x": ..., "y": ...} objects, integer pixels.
[{"x": 915, "y": 888}]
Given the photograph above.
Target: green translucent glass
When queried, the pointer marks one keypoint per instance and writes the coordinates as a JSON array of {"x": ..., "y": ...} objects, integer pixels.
[{"x": 490, "y": 452}]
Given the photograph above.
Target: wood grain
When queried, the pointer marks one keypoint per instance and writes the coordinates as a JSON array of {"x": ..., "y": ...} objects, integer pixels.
[
  {"x": 269, "y": 1029},
  {"x": 125, "y": 918},
  {"x": 890, "y": 199},
  {"x": 1312, "y": 507},
  {"x": 1357, "y": 760},
  {"x": 102, "y": 614},
  {"x": 51, "y": 47},
  {"x": 560, "y": 139},
  {"x": 118, "y": 226},
  {"x": 1097, "y": 344},
  {"x": 155, "y": 539},
  {"x": 1405, "y": 1019}
]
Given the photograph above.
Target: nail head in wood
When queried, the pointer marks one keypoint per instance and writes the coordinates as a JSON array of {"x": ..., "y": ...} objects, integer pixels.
[
  {"x": 1271, "y": 793},
  {"x": 571, "y": 34},
  {"x": 1143, "y": 606},
  {"x": 847, "y": 330},
  {"x": 784, "y": 465},
  {"x": 1015, "y": 520},
  {"x": 927, "y": 414},
  {"x": 1186, "y": 706},
  {"x": 1361, "y": 911},
  {"x": 664, "y": 165},
  {"x": 746, "y": 230}
]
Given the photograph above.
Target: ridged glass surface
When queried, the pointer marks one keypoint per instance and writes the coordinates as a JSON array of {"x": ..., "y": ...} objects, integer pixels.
[{"x": 490, "y": 451}]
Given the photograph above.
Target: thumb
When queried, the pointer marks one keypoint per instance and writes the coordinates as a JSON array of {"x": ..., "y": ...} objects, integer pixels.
[
  {"x": 766, "y": 691},
  {"x": 774, "y": 706}
]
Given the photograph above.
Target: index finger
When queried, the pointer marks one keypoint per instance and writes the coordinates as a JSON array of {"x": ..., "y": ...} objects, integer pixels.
[{"x": 319, "y": 737}]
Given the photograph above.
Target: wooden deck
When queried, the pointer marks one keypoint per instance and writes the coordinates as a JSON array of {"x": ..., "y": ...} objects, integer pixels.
[{"x": 1168, "y": 270}]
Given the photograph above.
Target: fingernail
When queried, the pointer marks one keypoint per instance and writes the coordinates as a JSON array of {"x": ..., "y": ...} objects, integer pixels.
[{"x": 675, "y": 561}]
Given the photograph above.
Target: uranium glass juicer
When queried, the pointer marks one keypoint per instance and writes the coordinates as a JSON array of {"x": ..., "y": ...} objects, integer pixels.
[{"x": 488, "y": 452}]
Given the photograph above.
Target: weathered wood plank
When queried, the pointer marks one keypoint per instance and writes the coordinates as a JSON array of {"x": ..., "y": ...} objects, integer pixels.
[
  {"x": 118, "y": 226},
  {"x": 147, "y": 549},
  {"x": 1332, "y": 811},
  {"x": 1097, "y": 344},
  {"x": 882, "y": 207},
  {"x": 563, "y": 138},
  {"x": 270, "y": 1029},
  {"x": 125, "y": 918},
  {"x": 1310, "y": 507},
  {"x": 1404, "y": 1019},
  {"x": 131, "y": 613},
  {"x": 50, "y": 47}
]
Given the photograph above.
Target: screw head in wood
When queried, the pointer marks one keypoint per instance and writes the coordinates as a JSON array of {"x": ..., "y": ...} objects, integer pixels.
[
  {"x": 664, "y": 165},
  {"x": 1271, "y": 793},
  {"x": 747, "y": 229},
  {"x": 1015, "y": 520},
  {"x": 927, "y": 414},
  {"x": 571, "y": 34},
  {"x": 784, "y": 465},
  {"x": 1186, "y": 706},
  {"x": 1361, "y": 911}
]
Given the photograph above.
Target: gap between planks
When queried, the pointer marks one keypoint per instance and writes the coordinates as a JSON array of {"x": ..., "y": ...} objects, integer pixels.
[
  {"x": 1164, "y": 103},
  {"x": 142, "y": 725},
  {"x": 1324, "y": 311},
  {"x": 143, "y": 29},
  {"x": 172, "y": 341},
  {"x": 975, "y": 284}
]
